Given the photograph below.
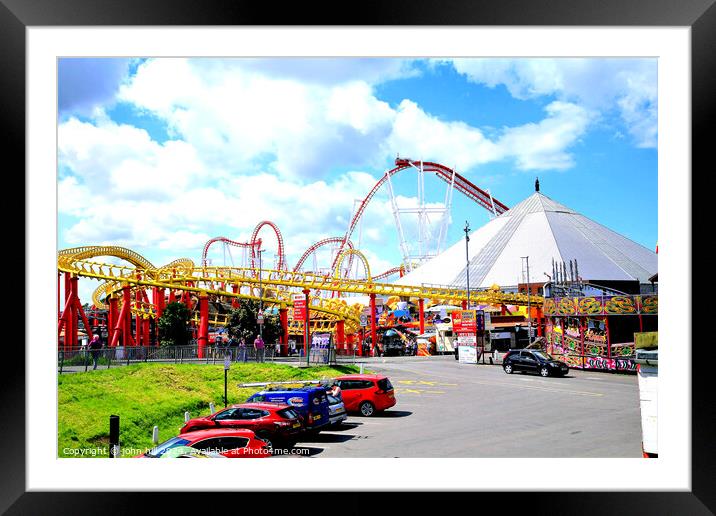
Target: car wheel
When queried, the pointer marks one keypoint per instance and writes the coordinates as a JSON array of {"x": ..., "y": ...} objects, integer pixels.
[
  {"x": 367, "y": 409},
  {"x": 265, "y": 438},
  {"x": 507, "y": 368},
  {"x": 544, "y": 371}
]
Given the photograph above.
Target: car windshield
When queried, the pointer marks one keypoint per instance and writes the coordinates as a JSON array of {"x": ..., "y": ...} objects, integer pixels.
[
  {"x": 543, "y": 355},
  {"x": 166, "y": 445},
  {"x": 332, "y": 400}
]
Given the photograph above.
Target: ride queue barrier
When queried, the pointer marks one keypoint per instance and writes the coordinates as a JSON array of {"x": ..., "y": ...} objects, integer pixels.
[{"x": 80, "y": 359}]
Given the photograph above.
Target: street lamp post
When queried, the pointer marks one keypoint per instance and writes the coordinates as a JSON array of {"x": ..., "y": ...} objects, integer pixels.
[
  {"x": 261, "y": 295},
  {"x": 529, "y": 314},
  {"x": 467, "y": 261}
]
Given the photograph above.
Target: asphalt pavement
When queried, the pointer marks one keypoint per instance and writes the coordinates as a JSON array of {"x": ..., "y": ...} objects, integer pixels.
[{"x": 448, "y": 409}]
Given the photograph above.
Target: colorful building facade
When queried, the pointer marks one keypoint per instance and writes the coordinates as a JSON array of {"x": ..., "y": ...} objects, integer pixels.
[{"x": 597, "y": 332}]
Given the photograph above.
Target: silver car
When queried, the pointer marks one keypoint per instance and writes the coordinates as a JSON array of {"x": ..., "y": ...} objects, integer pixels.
[{"x": 336, "y": 410}]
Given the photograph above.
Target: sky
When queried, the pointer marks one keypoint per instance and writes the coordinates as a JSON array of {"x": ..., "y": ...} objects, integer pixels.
[{"x": 161, "y": 155}]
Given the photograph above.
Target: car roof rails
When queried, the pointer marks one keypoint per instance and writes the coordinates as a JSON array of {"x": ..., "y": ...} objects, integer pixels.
[{"x": 276, "y": 385}]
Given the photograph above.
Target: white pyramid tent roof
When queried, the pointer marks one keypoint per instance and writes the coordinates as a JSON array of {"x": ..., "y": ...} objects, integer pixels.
[{"x": 544, "y": 230}]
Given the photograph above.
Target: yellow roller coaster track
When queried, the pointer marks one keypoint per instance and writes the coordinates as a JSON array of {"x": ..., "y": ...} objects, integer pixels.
[{"x": 219, "y": 281}]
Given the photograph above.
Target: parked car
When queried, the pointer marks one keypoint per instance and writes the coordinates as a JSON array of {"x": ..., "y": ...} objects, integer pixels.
[
  {"x": 533, "y": 360},
  {"x": 366, "y": 393},
  {"x": 311, "y": 403},
  {"x": 226, "y": 442},
  {"x": 336, "y": 410},
  {"x": 277, "y": 424}
]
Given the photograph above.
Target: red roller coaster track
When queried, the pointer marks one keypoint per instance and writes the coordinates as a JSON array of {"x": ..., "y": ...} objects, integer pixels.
[
  {"x": 395, "y": 270},
  {"x": 254, "y": 244},
  {"x": 281, "y": 259},
  {"x": 314, "y": 247},
  {"x": 462, "y": 184},
  {"x": 227, "y": 241}
]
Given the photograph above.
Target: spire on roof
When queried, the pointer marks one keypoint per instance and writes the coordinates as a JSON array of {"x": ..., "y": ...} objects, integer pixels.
[{"x": 537, "y": 185}]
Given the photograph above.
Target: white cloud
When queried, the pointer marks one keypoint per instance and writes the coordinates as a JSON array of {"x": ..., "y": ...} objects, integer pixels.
[
  {"x": 544, "y": 145},
  {"x": 628, "y": 86},
  {"x": 534, "y": 146},
  {"x": 249, "y": 145},
  {"x": 235, "y": 115}
]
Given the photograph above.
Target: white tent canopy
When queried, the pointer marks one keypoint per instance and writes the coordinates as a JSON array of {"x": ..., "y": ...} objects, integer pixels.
[{"x": 543, "y": 230}]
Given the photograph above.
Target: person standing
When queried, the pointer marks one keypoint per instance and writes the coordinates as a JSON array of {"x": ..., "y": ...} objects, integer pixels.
[
  {"x": 95, "y": 347},
  {"x": 241, "y": 355},
  {"x": 259, "y": 346}
]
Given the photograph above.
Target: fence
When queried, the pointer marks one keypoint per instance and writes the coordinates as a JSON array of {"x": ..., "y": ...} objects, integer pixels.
[{"x": 83, "y": 359}]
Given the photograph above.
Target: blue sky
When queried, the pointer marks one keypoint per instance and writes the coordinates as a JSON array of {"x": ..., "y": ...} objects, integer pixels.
[{"x": 162, "y": 155}]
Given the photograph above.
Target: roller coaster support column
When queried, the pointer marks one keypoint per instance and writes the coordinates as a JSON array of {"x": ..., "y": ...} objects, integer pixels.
[
  {"x": 79, "y": 310},
  {"x": 203, "y": 323},
  {"x": 306, "y": 326},
  {"x": 373, "y": 329},
  {"x": 464, "y": 304},
  {"x": 235, "y": 302},
  {"x": 121, "y": 319},
  {"x": 283, "y": 317},
  {"x": 158, "y": 300},
  {"x": 70, "y": 312},
  {"x": 59, "y": 291},
  {"x": 139, "y": 328},
  {"x": 421, "y": 313},
  {"x": 127, "y": 319},
  {"x": 111, "y": 319},
  {"x": 145, "y": 328},
  {"x": 340, "y": 334}
]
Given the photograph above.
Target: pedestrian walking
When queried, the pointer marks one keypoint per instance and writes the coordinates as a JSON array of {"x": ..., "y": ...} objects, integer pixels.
[
  {"x": 259, "y": 346},
  {"x": 277, "y": 352},
  {"x": 241, "y": 355},
  {"x": 95, "y": 347}
]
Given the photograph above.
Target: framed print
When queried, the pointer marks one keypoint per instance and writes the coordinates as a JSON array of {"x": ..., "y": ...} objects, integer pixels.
[{"x": 186, "y": 141}]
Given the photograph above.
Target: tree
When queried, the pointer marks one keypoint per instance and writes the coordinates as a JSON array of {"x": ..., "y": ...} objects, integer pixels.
[
  {"x": 173, "y": 325},
  {"x": 243, "y": 323}
]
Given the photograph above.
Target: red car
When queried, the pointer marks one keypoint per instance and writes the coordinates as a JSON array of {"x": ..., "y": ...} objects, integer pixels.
[
  {"x": 273, "y": 422},
  {"x": 366, "y": 393},
  {"x": 232, "y": 443}
]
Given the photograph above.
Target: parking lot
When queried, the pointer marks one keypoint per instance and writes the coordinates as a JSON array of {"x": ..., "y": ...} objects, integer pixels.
[{"x": 447, "y": 409}]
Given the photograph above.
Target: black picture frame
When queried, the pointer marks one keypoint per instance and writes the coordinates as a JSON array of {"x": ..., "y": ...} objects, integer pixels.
[{"x": 699, "y": 15}]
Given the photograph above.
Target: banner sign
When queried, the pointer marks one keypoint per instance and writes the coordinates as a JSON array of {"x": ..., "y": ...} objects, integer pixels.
[
  {"x": 465, "y": 321},
  {"x": 320, "y": 347},
  {"x": 299, "y": 307},
  {"x": 602, "y": 305},
  {"x": 467, "y": 354},
  {"x": 465, "y": 339}
]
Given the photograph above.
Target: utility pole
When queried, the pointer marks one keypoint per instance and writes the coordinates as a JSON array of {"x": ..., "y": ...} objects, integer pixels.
[
  {"x": 529, "y": 313},
  {"x": 467, "y": 260}
]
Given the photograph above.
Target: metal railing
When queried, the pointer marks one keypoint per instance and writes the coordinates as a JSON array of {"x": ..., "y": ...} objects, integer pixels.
[{"x": 82, "y": 359}]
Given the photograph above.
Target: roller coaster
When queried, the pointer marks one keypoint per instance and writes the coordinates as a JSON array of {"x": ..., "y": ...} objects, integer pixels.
[{"x": 123, "y": 288}]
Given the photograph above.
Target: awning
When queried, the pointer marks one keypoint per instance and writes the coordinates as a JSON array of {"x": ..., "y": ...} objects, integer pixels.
[{"x": 506, "y": 324}]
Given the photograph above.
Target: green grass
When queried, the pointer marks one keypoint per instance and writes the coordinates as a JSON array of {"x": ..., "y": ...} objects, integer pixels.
[{"x": 145, "y": 395}]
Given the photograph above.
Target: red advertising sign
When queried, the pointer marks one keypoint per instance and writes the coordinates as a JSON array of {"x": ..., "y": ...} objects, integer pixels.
[
  {"x": 464, "y": 321},
  {"x": 299, "y": 307}
]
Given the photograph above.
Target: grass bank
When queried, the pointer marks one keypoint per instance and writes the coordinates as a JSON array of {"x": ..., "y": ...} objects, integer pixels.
[{"x": 145, "y": 395}]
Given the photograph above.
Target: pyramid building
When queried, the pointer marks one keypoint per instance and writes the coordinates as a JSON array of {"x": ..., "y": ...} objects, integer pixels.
[{"x": 544, "y": 230}]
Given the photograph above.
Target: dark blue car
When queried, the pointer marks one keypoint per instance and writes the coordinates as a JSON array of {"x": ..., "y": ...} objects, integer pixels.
[{"x": 310, "y": 402}]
